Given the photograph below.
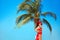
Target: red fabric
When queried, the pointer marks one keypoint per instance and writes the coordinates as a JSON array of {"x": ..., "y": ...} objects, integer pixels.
[
  {"x": 40, "y": 30},
  {"x": 39, "y": 33},
  {"x": 37, "y": 38},
  {"x": 37, "y": 22}
]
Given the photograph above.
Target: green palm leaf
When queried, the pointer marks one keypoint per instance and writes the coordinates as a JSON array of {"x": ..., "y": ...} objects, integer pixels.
[
  {"x": 24, "y": 21},
  {"x": 19, "y": 18},
  {"x": 32, "y": 7},
  {"x": 49, "y": 13},
  {"x": 47, "y": 23},
  {"x": 24, "y": 6},
  {"x": 27, "y": 0}
]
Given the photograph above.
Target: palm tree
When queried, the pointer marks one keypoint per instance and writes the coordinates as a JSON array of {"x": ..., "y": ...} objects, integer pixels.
[{"x": 33, "y": 8}]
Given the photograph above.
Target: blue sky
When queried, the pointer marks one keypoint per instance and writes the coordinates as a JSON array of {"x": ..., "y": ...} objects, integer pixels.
[{"x": 8, "y": 17}]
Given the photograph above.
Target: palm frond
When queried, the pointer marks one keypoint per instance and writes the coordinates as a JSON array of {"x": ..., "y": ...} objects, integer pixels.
[
  {"x": 47, "y": 23},
  {"x": 19, "y": 18},
  {"x": 27, "y": 0},
  {"x": 37, "y": 0},
  {"x": 18, "y": 11},
  {"x": 24, "y": 6},
  {"x": 49, "y": 13},
  {"x": 24, "y": 21}
]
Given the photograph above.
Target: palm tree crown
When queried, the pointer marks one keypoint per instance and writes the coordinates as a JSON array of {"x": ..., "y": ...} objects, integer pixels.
[{"x": 34, "y": 11}]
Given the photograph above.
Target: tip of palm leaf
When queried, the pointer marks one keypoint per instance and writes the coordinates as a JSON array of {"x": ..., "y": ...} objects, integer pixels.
[
  {"x": 50, "y": 30},
  {"x": 17, "y": 12},
  {"x": 19, "y": 25},
  {"x": 55, "y": 17}
]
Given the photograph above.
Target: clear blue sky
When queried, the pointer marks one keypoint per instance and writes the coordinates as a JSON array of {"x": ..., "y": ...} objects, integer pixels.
[{"x": 8, "y": 16}]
